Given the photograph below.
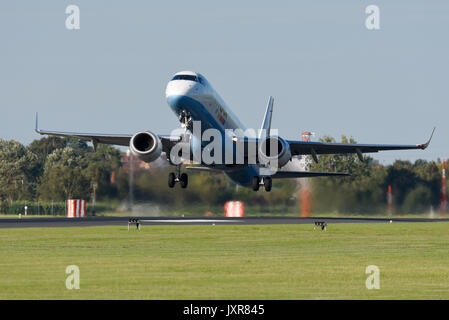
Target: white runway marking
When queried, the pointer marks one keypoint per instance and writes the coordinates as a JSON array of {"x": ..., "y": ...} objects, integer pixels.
[{"x": 191, "y": 221}]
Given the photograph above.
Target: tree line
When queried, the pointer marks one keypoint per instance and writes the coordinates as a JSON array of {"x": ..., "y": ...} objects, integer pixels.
[
  {"x": 416, "y": 187},
  {"x": 54, "y": 169}
]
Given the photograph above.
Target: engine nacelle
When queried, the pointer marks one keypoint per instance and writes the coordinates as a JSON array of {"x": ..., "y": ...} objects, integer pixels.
[
  {"x": 146, "y": 146},
  {"x": 274, "y": 151}
]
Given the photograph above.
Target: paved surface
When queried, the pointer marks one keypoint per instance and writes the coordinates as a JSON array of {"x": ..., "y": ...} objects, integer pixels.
[{"x": 123, "y": 221}]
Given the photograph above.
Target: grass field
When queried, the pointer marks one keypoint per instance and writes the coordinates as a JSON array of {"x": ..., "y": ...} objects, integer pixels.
[{"x": 227, "y": 262}]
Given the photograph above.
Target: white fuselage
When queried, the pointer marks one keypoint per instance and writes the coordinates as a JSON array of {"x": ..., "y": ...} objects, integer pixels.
[{"x": 190, "y": 93}]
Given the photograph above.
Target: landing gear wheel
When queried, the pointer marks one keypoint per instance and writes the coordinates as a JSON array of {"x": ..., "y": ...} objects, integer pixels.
[
  {"x": 184, "y": 180},
  {"x": 171, "y": 179},
  {"x": 267, "y": 182},
  {"x": 256, "y": 183}
]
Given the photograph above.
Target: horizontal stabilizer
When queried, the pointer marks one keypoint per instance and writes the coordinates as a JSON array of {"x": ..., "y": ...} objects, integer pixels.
[
  {"x": 305, "y": 174},
  {"x": 207, "y": 169}
]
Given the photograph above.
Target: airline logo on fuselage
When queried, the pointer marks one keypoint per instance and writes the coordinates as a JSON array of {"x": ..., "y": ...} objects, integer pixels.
[{"x": 222, "y": 115}]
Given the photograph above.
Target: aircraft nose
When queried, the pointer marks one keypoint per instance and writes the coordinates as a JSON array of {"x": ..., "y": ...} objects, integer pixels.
[{"x": 182, "y": 88}]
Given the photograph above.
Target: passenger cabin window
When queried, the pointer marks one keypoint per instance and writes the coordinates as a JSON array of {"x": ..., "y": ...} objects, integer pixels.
[{"x": 185, "y": 77}]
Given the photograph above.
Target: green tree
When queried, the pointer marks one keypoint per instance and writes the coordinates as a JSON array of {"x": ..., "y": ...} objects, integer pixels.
[
  {"x": 429, "y": 174},
  {"x": 64, "y": 176},
  {"x": 100, "y": 166},
  {"x": 17, "y": 165},
  {"x": 402, "y": 179},
  {"x": 43, "y": 147},
  {"x": 356, "y": 193},
  {"x": 417, "y": 200}
]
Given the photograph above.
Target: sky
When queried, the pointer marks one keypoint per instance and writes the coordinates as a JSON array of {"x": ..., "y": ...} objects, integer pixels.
[{"x": 328, "y": 73}]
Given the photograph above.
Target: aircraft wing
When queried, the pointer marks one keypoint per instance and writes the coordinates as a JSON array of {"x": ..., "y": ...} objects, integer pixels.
[
  {"x": 115, "y": 139},
  {"x": 315, "y": 148}
]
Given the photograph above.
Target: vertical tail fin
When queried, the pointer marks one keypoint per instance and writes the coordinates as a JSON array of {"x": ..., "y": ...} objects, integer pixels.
[{"x": 266, "y": 124}]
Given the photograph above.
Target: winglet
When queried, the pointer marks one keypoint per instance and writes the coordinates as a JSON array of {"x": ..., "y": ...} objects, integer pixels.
[
  {"x": 266, "y": 124},
  {"x": 425, "y": 145},
  {"x": 37, "y": 124}
]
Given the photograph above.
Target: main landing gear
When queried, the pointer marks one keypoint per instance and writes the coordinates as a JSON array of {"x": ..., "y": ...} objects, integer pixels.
[
  {"x": 266, "y": 182},
  {"x": 183, "y": 178}
]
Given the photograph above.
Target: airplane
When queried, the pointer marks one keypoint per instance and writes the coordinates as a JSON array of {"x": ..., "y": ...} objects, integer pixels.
[{"x": 193, "y": 99}]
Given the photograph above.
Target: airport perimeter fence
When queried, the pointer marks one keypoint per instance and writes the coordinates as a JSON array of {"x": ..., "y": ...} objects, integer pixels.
[{"x": 45, "y": 208}]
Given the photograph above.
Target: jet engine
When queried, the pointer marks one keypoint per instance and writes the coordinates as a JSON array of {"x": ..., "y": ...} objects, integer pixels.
[
  {"x": 146, "y": 146},
  {"x": 274, "y": 151}
]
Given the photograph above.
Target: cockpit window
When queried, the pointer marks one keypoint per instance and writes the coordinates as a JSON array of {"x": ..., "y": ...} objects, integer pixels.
[{"x": 185, "y": 77}]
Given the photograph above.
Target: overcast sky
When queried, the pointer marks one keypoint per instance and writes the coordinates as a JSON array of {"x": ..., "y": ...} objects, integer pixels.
[{"x": 328, "y": 73}]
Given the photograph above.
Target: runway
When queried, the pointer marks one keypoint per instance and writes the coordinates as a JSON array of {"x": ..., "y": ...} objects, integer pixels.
[{"x": 30, "y": 222}]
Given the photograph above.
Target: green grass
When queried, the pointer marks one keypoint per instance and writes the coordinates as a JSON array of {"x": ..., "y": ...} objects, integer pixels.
[{"x": 227, "y": 262}]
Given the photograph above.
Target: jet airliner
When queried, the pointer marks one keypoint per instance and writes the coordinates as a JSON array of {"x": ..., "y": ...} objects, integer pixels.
[{"x": 192, "y": 98}]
